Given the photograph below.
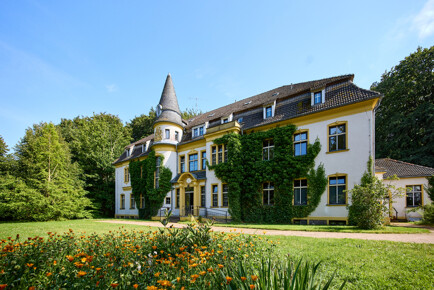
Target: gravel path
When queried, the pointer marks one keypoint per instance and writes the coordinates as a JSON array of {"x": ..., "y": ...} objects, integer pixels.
[{"x": 427, "y": 238}]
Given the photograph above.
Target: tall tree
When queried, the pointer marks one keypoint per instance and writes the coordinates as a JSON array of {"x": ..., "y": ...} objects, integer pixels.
[
  {"x": 190, "y": 113},
  {"x": 52, "y": 184},
  {"x": 95, "y": 143},
  {"x": 141, "y": 126},
  {"x": 404, "y": 121}
]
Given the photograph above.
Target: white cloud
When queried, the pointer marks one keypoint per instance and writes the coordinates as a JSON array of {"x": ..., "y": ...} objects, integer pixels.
[
  {"x": 423, "y": 22},
  {"x": 111, "y": 88}
]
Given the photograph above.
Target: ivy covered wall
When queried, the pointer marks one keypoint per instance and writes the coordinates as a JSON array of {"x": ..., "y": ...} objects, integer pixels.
[
  {"x": 245, "y": 172},
  {"x": 143, "y": 182}
]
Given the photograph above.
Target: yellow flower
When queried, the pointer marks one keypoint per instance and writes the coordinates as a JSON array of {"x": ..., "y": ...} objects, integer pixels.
[{"x": 81, "y": 273}]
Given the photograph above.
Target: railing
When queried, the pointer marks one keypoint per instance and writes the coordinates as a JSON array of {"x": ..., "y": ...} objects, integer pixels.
[{"x": 203, "y": 211}]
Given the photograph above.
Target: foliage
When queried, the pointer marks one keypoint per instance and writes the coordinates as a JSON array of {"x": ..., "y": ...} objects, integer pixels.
[
  {"x": 95, "y": 143},
  {"x": 163, "y": 259},
  {"x": 7, "y": 163},
  {"x": 190, "y": 113},
  {"x": 141, "y": 126},
  {"x": 404, "y": 121},
  {"x": 245, "y": 174},
  {"x": 48, "y": 181},
  {"x": 142, "y": 182},
  {"x": 3, "y": 147},
  {"x": 368, "y": 207},
  {"x": 428, "y": 214}
]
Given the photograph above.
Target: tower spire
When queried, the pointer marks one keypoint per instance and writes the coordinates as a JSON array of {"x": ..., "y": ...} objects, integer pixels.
[{"x": 168, "y": 108}]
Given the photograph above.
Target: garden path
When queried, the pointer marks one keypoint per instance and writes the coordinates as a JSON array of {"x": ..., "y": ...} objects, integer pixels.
[{"x": 423, "y": 238}]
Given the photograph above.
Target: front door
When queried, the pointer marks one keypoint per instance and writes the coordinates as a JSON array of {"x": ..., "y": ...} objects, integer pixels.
[{"x": 189, "y": 195}]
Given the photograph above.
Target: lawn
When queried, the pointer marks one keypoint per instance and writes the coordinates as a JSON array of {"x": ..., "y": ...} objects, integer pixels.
[
  {"x": 364, "y": 264},
  {"x": 341, "y": 229}
]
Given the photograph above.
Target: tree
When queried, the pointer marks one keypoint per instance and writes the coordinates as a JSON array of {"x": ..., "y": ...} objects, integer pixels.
[
  {"x": 190, "y": 113},
  {"x": 95, "y": 143},
  {"x": 142, "y": 126},
  {"x": 368, "y": 207},
  {"x": 404, "y": 120},
  {"x": 6, "y": 160},
  {"x": 52, "y": 185}
]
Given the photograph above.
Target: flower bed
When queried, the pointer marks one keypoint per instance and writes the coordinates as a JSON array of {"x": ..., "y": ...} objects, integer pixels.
[{"x": 164, "y": 259}]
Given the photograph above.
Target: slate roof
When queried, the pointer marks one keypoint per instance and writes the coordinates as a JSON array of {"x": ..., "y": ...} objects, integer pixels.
[
  {"x": 291, "y": 101},
  {"x": 169, "y": 104},
  {"x": 138, "y": 150},
  {"x": 199, "y": 175},
  {"x": 401, "y": 168}
]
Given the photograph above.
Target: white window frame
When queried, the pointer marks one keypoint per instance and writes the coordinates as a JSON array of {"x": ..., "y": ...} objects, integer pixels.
[
  {"x": 228, "y": 118},
  {"x": 203, "y": 126},
  {"x": 312, "y": 97},
  {"x": 273, "y": 109},
  {"x": 167, "y": 133}
]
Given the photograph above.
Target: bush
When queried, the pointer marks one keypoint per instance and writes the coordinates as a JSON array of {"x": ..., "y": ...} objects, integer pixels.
[
  {"x": 428, "y": 214},
  {"x": 368, "y": 204}
]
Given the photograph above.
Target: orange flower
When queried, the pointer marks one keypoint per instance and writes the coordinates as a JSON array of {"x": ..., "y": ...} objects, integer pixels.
[
  {"x": 157, "y": 274},
  {"x": 254, "y": 277},
  {"x": 164, "y": 283},
  {"x": 3, "y": 286},
  {"x": 114, "y": 285},
  {"x": 136, "y": 286},
  {"x": 220, "y": 266},
  {"x": 151, "y": 288},
  {"x": 29, "y": 265},
  {"x": 154, "y": 247},
  {"x": 98, "y": 269},
  {"x": 228, "y": 279},
  {"x": 48, "y": 274},
  {"x": 70, "y": 258},
  {"x": 202, "y": 273},
  {"x": 178, "y": 279},
  {"x": 32, "y": 288},
  {"x": 243, "y": 279},
  {"x": 210, "y": 270},
  {"x": 97, "y": 283},
  {"x": 55, "y": 263},
  {"x": 81, "y": 273},
  {"x": 252, "y": 286}
]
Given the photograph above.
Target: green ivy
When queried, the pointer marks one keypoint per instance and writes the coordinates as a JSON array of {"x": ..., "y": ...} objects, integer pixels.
[
  {"x": 142, "y": 182},
  {"x": 245, "y": 172}
]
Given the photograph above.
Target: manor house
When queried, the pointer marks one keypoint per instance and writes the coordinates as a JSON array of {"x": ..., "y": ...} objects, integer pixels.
[{"x": 333, "y": 110}]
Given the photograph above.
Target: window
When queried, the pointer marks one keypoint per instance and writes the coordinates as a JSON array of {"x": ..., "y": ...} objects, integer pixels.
[
  {"x": 300, "y": 192},
  {"x": 267, "y": 149},
  {"x": 182, "y": 163},
  {"x": 337, "y": 137},
  {"x": 300, "y": 144},
  {"x": 414, "y": 195},
  {"x": 225, "y": 120},
  {"x": 176, "y": 135},
  {"x": 268, "y": 112},
  {"x": 225, "y": 201},
  {"x": 198, "y": 131},
  {"x": 142, "y": 201},
  {"x": 126, "y": 174},
  {"x": 202, "y": 196},
  {"x": 192, "y": 160},
  {"x": 220, "y": 154},
  {"x": 317, "y": 98},
  {"x": 337, "y": 186},
  {"x": 167, "y": 200},
  {"x": 167, "y": 132},
  {"x": 240, "y": 120},
  {"x": 214, "y": 155},
  {"x": 215, "y": 195},
  {"x": 203, "y": 160},
  {"x": 177, "y": 198},
  {"x": 132, "y": 201},
  {"x": 225, "y": 153},
  {"x": 122, "y": 205},
  {"x": 268, "y": 193}
]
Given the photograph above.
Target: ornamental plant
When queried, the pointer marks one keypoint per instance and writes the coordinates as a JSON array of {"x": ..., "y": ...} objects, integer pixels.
[{"x": 244, "y": 171}]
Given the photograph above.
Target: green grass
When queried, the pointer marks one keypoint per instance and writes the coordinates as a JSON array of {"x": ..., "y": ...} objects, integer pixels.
[
  {"x": 364, "y": 264},
  {"x": 341, "y": 229},
  {"x": 367, "y": 264},
  {"x": 32, "y": 229}
]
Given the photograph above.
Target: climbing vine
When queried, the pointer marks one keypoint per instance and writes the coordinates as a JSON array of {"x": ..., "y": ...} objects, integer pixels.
[
  {"x": 245, "y": 172},
  {"x": 143, "y": 182}
]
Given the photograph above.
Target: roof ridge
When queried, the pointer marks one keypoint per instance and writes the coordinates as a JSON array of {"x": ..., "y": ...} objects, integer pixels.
[{"x": 404, "y": 162}]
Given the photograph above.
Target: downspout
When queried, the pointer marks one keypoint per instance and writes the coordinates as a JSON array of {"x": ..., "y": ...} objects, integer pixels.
[{"x": 373, "y": 129}]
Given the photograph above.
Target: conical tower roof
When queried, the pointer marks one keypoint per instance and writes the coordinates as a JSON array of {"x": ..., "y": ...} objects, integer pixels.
[{"x": 168, "y": 106}]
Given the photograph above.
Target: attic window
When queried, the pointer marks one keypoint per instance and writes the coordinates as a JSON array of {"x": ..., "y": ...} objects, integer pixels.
[
  {"x": 317, "y": 97},
  {"x": 227, "y": 119},
  {"x": 247, "y": 103},
  {"x": 210, "y": 115},
  {"x": 269, "y": 110},
  {"x": 240, "y": 119}
]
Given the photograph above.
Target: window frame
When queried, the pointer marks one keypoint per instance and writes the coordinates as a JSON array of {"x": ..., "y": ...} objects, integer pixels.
[
  {"x": 337, "y": 175},
  {"x": 268, "y": 190},
  {"x": 177, "y": 197},
  {"x": 413, "y": 192},
  {"x": 202, "y": 196},
  {"x": 167, "y": 198},
  {"x": 216, "y": 193},
  {"x": 225, "y": 193},
  {"x": 167, "y": 134},
  {"x": 299, "y": 132},
  {"x": 315, "y": 94},
  {"x": 198, "y": 131},
  {"x": 126, "y": 174},
  {"x": 181, "y": 164},
  {"x": 196, "y": 161},
  {"x": 214, "y": 154},
  {"x": 335, "y": 124},
  {"x": 142, "y": 201},
  {"x": 203, "y": 159},
  {"x": 132, "y": 201},
  {"x": 300, "y": 187},
  {"x": 176, "y": 136},
  {"x": 269, "y": 148},
  {"x": 157, "y": 172},
  {"x": 272, "y": 107},
  {"x": 122, "y": 201}
]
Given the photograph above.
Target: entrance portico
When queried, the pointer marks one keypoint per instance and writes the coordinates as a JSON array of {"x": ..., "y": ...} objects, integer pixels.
[{"x": 189, "y": 194}]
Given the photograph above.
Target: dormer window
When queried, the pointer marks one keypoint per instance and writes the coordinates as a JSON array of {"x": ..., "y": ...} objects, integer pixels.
[
  {"x": 269, "y": 110},
  {"x": 198, "y": 131},
  {"x": 167, "y": 133},
  {"x": 227, "y": 119},
  {"x": 318, "y": 97}
]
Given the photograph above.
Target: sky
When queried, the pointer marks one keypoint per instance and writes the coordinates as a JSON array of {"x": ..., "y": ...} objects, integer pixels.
[{"x": 62, "y": 59}]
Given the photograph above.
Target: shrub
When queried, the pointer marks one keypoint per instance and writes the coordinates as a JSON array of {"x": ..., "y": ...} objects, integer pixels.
[{"x": 428, "y": 214}]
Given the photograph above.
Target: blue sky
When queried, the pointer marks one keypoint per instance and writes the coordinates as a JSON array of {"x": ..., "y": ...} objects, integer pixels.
[{"x": 61, "y": 59}]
